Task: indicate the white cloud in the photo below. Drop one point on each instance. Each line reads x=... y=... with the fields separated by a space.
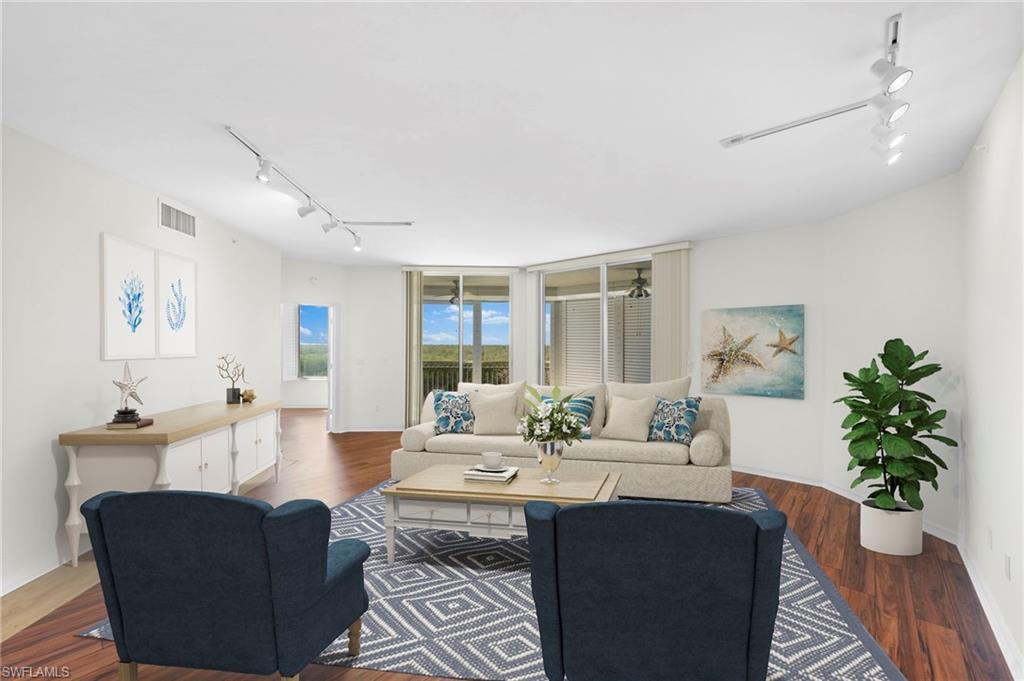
x=304 y=331
x=486 y=316
x=440 y=337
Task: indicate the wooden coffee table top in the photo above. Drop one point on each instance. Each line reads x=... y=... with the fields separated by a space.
x=446 y=482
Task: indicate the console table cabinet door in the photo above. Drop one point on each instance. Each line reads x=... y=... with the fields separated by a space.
x=247 y=440
x=185 y=465
x=266 y=440
x=217 y=461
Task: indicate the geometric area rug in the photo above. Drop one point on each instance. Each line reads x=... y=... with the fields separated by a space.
x=461 y=607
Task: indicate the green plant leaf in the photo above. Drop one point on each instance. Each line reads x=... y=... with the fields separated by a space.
x=871 y=472
x=938 y=461
x=555 y=393
x=918 y=358
x=533 y=393
x=898 y=468
x=861 y=432
x=915 y=375
x=948 y=441
x=926 y=468
x=896 y=357
x=896 y=419
x=851 y=420
x=896 y=446
x=912 y=496
x=854 y=462
x=865 y=448
x=885 y=500
x=924 y=396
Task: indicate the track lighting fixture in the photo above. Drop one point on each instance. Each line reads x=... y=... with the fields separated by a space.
x=303 y=211
x=887 y=137
x=357 y=243
x=894 y=78
x=890 y=109
x=263 y=174
x=328 y=226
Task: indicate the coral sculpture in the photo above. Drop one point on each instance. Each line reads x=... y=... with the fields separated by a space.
x=176 y=307
x=231 y=370
x=248 y=395
x=131 y=301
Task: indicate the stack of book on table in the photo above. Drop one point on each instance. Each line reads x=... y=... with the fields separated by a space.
x=503 y=475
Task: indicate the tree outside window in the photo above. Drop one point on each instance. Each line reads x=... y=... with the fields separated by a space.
x=313 y=339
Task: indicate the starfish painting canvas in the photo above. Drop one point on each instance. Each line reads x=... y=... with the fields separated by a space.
x=754 y=351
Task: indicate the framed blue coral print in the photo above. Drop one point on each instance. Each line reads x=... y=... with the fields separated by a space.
x=176 y=306
x=129 y=300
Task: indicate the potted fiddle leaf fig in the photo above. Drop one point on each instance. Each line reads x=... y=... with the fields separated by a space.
x=890 y=427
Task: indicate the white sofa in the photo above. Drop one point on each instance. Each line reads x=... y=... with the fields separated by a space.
x=656 y=470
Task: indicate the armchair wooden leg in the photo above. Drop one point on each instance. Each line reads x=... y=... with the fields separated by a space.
x=290 y=678
x=354 y=630
x=127 y=671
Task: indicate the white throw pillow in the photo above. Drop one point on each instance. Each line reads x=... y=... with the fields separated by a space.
x=666 y=390
x=494 y=414
x=629 y=419
x=519 y=388
x=427 y=413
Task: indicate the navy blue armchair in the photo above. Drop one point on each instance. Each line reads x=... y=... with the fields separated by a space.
x=211 y=581
x=654 y=591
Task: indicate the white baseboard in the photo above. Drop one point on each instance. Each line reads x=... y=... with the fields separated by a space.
x=939 y=531
x=372 y=429
x=996 y=620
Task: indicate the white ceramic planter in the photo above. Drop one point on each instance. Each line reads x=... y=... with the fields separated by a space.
x=893 y=532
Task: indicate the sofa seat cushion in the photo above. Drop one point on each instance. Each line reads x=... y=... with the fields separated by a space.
x=604 y=449
x=509 y=445
x=625 y=451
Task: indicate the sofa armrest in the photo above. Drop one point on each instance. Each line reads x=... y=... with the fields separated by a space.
x=714 y=415
x=414 y=438
x=707 y=449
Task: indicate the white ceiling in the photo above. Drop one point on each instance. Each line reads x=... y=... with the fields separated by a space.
x=511 y=134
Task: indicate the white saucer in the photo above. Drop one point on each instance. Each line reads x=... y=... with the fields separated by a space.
x=486 y=469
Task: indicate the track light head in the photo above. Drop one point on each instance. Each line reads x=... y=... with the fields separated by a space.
x=309 y=208
x=328 y=226
x=891 y=109
x=887 y=137
x=894 y=78
x=263 y=174
x=357 y=243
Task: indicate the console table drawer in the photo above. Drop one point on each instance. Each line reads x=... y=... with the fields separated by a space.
x=518 y=514
x=448 y=511
x=489 y=514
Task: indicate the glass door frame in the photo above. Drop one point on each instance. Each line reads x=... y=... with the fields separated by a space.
x=602 y=268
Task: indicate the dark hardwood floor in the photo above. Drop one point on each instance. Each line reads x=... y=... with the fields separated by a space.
x=922 y=610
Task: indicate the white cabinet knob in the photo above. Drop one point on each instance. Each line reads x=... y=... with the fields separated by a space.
x=206 y=466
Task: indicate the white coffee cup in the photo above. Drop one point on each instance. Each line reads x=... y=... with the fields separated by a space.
x=491 y=459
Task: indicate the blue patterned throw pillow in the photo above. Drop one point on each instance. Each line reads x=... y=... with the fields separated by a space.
x=673 y=420
x=582 y=407
x=452 y=413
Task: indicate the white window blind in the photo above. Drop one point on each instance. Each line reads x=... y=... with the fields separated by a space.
x=582 y=341
x=636 y=340
x=289 y=342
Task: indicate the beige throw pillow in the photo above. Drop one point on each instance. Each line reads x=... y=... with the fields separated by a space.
x=494 y=414
x=519 y=388
x=629 y=419
x=667 y=390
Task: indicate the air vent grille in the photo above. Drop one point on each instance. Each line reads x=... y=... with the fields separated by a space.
x=178 y=220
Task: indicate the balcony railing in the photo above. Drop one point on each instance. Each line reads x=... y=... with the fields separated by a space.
x=445 y=375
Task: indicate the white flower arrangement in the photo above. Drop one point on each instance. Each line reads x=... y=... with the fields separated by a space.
x=550 y=420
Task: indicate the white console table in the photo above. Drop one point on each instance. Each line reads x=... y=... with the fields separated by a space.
x=213 y=447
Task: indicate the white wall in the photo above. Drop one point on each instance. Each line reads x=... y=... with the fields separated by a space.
x=891 y=269
x=992 y=180
x=54 y=208
x=370 y=347
x=310 y=283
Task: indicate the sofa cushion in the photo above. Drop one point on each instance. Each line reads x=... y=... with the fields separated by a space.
x=629 y=419
x=519 y=388
x=582 y=407
x=604 y=449
x=707 y=449
x=452 y=412
x=669 y=390
x=597 y=390
x=494 y=414
x=673 y=421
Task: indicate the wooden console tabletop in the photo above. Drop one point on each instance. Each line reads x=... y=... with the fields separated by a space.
x=171 y=426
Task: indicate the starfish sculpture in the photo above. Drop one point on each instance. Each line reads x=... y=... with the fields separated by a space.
x=129 y=387
x=783 y=344
x=731 y=353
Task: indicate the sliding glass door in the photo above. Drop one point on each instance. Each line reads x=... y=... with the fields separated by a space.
x=597 y=324
x=465 y=330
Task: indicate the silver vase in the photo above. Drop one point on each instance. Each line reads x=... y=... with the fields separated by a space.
x=549 y=456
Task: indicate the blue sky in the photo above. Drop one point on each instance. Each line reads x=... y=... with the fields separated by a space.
x=312 y=324
x=441 y=324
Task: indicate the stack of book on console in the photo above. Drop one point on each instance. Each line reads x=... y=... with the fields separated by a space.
x=503 y=475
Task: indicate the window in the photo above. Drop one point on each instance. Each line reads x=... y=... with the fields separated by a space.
x=464 y=330
x=574 y=352
x=313 y=333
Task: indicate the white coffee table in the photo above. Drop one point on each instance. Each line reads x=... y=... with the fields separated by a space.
x=439 y=498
